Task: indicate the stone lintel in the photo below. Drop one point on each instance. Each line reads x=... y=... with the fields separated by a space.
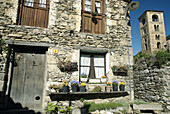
x=93 y=49
x=24 y=43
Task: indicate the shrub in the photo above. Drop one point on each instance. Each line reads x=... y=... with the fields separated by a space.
x=97 y=89
x=91 y=106
x=51 y=108
x=141 y=55
x=162 y=56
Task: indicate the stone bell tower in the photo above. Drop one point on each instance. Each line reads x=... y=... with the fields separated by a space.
x=152 y=30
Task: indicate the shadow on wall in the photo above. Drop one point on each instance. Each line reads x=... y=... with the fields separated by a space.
x=16 y=108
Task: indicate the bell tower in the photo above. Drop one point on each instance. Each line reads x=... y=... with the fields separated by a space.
x=152 y=30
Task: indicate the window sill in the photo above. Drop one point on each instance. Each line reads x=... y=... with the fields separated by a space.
x=62 y=96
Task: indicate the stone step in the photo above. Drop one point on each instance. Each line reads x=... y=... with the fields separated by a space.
x=150 y=106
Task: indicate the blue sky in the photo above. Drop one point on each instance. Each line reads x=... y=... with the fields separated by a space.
x=162 y=5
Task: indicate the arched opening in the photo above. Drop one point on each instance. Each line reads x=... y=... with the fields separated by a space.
x=158 y=45
x=154 y=18
x=143 y=21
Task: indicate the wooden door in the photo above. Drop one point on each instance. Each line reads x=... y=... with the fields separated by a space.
x=34 y=13
x=27 y=81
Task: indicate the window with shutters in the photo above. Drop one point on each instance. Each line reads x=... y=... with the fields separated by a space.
x=93 y=17
x=34 y=13
x=93 y=65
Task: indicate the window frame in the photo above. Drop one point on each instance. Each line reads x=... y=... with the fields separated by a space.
x=90 y=75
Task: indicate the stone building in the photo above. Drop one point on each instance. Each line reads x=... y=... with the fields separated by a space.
x=152 y=30
x=41 y=34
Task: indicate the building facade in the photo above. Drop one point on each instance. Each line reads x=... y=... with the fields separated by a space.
x=45 y=37
x=152 y=30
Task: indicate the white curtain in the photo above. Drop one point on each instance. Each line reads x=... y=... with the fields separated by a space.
x=85 y=64
x=87 y=5
x=42 y=3
x=97 y=7
x=29 y=3
x=99 y=65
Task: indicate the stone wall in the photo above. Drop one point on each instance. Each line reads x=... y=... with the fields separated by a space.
x=64 y=17
x=152 y=83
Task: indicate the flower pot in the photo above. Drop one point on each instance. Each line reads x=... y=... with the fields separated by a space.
x=74 y=88
x=122 y=87
x=103 y=80
x=115 y=87
x=108 y=88
x=84 y=80
x=65 y=89
x=83 y=89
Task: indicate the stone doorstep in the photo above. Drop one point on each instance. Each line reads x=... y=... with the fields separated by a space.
x=154 y=106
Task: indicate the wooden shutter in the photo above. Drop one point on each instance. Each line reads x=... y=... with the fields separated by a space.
x=93 y=23
x=34 y=13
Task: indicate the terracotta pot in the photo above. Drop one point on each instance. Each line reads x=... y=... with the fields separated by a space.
x=108 y=88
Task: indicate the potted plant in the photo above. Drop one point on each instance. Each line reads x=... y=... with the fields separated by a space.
x=115 y=85
x=122 y=86
x=74 y=85
x=103 y=79
x=108 y=86
x=83 y=77
x=82 y=87
x=120 y=70
x=114 y=68
x=65 y=86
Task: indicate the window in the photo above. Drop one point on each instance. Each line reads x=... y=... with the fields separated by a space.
x=154 y=18
x=93 y=65
x=93 y=17
x=144 y=31
x=33 y=13
x=157 y=37
x=156 y=27
x=143 y=21
x=158 y=45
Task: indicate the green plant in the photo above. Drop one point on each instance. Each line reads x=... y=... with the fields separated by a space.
x=97 y=89
x=74 y=83
x=63 y=109
x=91 y=106
x=141 y=55
x=162 y=56
x=51 y=108
x=83 y=75
x=139 y=102
x=82 y=99
x=3 y=47
x=120 y=68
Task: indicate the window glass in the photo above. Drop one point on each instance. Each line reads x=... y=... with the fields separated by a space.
x=99 y=65
x=97 y=7
x=85 y=64
x=29 y=3
x=42 y=3
x=87 y=5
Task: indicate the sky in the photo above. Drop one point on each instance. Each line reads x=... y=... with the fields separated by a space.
x=162 y=5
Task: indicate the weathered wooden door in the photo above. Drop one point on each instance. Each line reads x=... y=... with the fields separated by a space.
x=27 y=80
x=34 y=12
